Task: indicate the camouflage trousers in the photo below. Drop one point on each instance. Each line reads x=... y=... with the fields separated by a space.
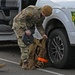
x=19 y=31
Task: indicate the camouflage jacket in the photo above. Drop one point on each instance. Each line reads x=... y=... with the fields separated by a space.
x=31 y=16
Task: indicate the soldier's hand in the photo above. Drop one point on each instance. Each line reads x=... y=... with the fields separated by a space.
x=28 y=32
x=45 y=36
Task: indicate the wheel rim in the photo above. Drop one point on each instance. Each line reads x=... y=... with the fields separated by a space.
x=56 y=49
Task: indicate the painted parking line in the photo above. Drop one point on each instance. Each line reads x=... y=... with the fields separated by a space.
x=51 y=72
x=47 y=71
x=9 y=61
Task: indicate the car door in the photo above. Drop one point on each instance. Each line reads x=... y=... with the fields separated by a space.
x=8 y=9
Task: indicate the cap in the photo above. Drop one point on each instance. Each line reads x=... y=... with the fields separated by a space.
x=47 y=10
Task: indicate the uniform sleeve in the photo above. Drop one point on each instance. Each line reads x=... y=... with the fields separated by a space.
x=32 y=29
x=28 y=18
x=40 y=29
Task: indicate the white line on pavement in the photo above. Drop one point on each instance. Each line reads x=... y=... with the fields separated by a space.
x=47 y=71
x=9 y=61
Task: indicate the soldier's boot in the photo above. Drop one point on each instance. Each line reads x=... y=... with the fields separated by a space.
x=20 y=62
x=25 y=65
x=2 y=65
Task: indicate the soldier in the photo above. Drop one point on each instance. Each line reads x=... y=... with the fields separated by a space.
x=25 y=22
x=2 y=65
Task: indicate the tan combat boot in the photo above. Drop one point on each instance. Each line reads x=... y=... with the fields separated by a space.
x=20 y=62
x=24 y=65
x=2 y=65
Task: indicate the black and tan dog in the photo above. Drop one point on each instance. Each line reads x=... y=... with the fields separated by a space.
x=37 y=54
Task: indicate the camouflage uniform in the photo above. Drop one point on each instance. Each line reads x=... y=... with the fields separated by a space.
x=28 y=18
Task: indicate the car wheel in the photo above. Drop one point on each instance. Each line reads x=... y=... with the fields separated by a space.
x=59 y=48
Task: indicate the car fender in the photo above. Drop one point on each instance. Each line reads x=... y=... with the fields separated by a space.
x=61 y=16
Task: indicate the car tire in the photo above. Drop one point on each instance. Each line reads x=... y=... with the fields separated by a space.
x=59 y=48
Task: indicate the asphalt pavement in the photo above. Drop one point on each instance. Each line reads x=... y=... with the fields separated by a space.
x=11 y=56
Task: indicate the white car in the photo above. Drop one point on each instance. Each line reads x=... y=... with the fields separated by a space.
x=60 y=28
